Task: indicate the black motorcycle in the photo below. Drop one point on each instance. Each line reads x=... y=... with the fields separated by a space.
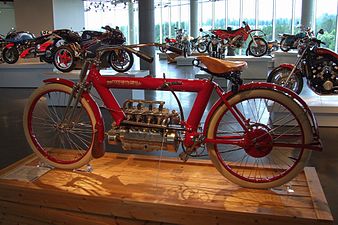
x=318 y=65
x=76 y=46
x=15 y=43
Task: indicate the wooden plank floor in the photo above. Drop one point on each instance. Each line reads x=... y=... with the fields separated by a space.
x=131 y=190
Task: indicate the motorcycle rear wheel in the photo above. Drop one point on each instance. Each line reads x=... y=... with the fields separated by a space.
x=279 y=76
x=10 y=55
x=283 y=46
x=274 y=121
x=64 y=59
x=260 y=49
x=61 y=141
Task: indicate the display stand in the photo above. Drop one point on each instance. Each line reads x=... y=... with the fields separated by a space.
x=280 y=57
x=129 y=189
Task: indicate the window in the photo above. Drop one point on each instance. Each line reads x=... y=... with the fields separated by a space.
x=326 y=19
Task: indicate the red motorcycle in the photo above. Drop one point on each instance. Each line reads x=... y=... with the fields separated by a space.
x=258 y=135
x=223 y=39
x=174 y=42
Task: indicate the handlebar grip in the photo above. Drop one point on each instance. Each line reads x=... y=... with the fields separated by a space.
x=175 y=50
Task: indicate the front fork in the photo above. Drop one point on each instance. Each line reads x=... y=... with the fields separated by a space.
x=76 y=94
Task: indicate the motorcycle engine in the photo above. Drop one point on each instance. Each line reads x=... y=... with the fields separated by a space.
x=146 y=131
x=237 y=41
x=324 y=76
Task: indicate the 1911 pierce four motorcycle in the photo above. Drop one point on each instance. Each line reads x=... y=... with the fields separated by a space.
x=223 y=39
x=318 y=65
x=258 y=135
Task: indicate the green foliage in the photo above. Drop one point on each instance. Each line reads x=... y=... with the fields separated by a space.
x=328 y=24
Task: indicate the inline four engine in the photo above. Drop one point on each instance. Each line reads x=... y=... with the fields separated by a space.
x=147 y=128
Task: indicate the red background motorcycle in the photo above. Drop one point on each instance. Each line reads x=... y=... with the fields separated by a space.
x=236 y=39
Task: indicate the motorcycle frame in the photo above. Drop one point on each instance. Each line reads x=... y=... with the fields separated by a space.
x=203 y=88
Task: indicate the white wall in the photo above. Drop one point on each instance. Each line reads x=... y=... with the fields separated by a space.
x=68 y=14
x=7 y=17
x=34 y=15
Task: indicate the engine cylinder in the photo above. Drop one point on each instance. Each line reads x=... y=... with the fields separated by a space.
x=148 y=127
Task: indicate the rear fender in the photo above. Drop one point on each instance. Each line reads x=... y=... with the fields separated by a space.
x=99 y=147
x=315 y=145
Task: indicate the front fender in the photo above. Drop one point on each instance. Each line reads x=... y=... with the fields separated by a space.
x=263 y=85
x=286 y=65
x=99 y=147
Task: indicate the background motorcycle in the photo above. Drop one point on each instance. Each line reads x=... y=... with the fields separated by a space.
x=16 y=42
x=318 y=65
x=174 y=42
x=236 y=39
x=291 y=41
x=272 y=46
x=200 y=43
x=67 y=55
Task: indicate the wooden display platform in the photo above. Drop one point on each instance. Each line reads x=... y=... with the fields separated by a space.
x=135 y=190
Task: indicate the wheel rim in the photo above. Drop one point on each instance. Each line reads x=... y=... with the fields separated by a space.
x=260 y=49
x=121 y=60
x=10 y=54
x=281 y=77
x=271 y=159
x=64 y=59
x=64 y=142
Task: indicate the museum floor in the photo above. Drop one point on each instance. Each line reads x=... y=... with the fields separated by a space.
x=14 y=147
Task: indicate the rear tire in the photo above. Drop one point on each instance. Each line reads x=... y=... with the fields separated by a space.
x=64 y=59
x=273 y=118
x=283 y=46
x=10 y=55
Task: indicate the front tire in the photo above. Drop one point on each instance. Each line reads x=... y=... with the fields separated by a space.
x=202 y=47
x=279 y=75
x=121 y=60
x=260 y=49
x=57 y=139
x=10 y=55
x=274 y=120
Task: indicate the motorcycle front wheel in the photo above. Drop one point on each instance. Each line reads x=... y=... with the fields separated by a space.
x=202 y=47
x=272 y=152
x=10 y=55
x=60 y=137
x=121 y=60
x=279 y=75
x=260 y=49
x=283 y=46
x=64 y=59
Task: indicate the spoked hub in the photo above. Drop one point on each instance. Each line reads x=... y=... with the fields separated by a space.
x=258 y=141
